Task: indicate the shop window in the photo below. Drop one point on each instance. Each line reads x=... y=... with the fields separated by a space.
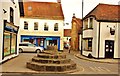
x=45 y=27
x=86 y=24
x=36 y=26
x=91 y=23
x=11 y=15
x=7 y=37
x=87 y=44
x=56 y=27
x=25 y=25
x=52 y=42
x=13 y=43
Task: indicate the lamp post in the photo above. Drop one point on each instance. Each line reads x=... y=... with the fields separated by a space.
x=82 y=26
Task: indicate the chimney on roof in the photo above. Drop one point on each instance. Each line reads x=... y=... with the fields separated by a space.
x=59 y=1
x=73 y=15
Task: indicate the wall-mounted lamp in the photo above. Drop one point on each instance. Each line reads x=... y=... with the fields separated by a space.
x=112 y=30
x=4 y=11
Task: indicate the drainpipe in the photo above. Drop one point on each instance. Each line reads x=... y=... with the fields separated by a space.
x=99 y=40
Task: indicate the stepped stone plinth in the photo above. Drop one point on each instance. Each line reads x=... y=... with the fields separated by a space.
x=50 y=61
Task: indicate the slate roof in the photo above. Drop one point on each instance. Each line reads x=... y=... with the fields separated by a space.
x=105 y=12
x=43 y=10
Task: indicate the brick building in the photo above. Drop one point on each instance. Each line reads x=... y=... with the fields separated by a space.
x=75 y=33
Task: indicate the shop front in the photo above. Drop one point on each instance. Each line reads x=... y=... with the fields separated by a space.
x=9 y=39
x=42 y=41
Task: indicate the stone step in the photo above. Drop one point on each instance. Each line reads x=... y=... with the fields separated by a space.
x=51 y=67
x=50 y=61
x=51 y=56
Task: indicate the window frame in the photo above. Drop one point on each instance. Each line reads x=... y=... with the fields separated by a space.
x=35 y=25
x=11 y=15
x=90 y=23
x=46 y=27
x=25 y=25
x=85 y=24
x=89 y=44
x=56 y=27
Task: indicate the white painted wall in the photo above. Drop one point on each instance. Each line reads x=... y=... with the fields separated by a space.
x=1 y=31
x=117 y=42
x=95 y=39
x=40 y=31
x=6 y=5
x=80 y=38
x=105 y=35
x=88 y=33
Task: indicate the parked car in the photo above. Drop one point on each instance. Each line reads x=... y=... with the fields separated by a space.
x=29 y=47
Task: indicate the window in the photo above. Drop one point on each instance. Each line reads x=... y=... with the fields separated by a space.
x=45 y=27
x=86 y=24
x=87 y=44
x=11 y=15
x=13 y=43
x=7 y=40
x=36 y=26
x=91 y=23
x=25 y=25
x=56 y=27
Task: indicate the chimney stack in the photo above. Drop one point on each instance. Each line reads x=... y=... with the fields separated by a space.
x=59 y=1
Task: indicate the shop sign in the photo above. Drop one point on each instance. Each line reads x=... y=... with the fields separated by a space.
x=11 y=27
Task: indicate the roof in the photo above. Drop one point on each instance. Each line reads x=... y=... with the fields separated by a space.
x=43 y=10
x=105 y=12
x=67 y=32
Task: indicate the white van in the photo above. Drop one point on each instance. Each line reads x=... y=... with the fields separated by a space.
x=29 y=47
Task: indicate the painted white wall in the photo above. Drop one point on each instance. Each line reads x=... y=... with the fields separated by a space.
x=105 y=35
x=6 y=5
x=1 y=31
x=80 y=38
x=95 y=39
x=40 y=31
x=65 y=39
x=88 y=33
x=117 y=42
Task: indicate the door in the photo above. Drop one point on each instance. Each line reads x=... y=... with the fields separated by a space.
x=109 y=48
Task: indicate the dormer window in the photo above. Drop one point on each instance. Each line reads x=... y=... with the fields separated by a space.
x=11 y=15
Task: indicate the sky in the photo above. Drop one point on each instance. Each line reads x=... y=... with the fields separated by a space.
x=75 y=6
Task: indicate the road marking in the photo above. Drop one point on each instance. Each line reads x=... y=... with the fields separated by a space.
x=99 y=69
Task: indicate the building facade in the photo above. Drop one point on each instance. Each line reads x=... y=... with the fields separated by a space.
x=67 y=37
x=9 y=20
x=42 y=26
x=101 y=32
x=76 y=33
